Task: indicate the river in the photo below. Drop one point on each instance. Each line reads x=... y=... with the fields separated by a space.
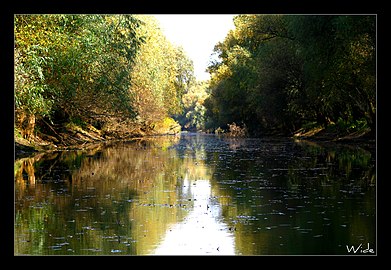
x=198 y=194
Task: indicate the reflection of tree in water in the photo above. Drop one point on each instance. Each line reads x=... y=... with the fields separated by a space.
x=26 y=174
x=332 y=161
x=104 y=200
x=275 y=197
x=281 y=195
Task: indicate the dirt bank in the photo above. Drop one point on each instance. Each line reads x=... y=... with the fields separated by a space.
x=70 y=138
x=364 y=137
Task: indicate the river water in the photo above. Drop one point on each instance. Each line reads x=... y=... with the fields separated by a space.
x=198 y=194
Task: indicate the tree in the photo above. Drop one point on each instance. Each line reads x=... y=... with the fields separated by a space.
x=74 y=66
x=193 y=115
x=257 y=71
x=161 y=75
x=339 y=65
x=278 y=72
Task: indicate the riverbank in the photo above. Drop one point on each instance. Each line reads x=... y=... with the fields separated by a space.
x=74 y=137
x=364 y=137
x=332 y=134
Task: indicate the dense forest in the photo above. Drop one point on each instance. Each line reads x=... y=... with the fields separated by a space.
x=96 y=77
x=108 y=75
x=278 y=74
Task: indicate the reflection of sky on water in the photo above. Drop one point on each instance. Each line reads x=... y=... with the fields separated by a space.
x=276 y=197
x=201 y=233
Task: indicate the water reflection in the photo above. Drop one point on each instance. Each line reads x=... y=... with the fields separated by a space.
x=202 y=232
x=196 y=194
x=298 y=197
x=112 y=201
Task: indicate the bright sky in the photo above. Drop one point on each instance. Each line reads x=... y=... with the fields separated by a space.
x=197 y=34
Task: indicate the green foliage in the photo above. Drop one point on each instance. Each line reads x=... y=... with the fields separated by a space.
x=339 y=64
x=161 y=75
x=351 y=125
x=88 y=68
x=78 y=64
x=193 y=115
x=257 y=73
x=277 y=72
x=274 y=73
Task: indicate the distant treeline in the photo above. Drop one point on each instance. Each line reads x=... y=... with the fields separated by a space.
x=109 y=71
x=279 y=73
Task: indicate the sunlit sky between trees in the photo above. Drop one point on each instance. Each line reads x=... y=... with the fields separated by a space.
x=197 y=34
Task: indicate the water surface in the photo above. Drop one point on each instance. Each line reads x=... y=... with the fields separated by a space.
x=197 y=194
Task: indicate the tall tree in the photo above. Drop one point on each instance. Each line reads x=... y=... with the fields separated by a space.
x=69 y=66
x=339 y=64
x=277 y=72
x=161 y=75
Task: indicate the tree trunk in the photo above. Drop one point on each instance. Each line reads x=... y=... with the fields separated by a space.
x=26 y=122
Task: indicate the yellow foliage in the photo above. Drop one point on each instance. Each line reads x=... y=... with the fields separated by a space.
x=167 y=126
